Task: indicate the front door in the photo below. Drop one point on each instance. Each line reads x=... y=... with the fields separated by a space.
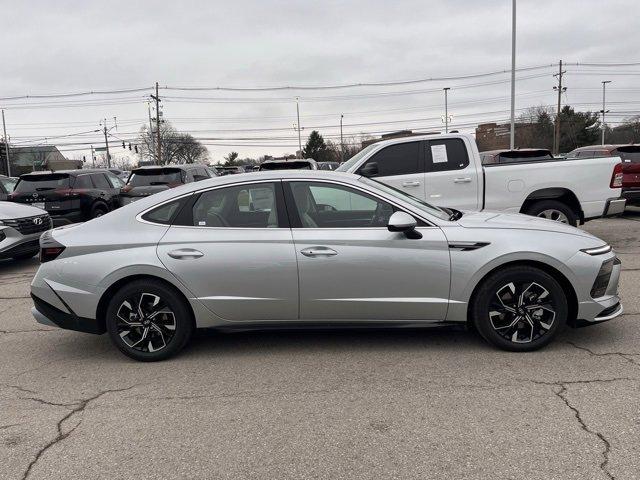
x=236 y=255
x=351 y=267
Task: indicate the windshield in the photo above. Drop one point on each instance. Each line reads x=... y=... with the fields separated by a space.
x=355 y=159
x=416 y=202
x=155 y=176
x=41 y=183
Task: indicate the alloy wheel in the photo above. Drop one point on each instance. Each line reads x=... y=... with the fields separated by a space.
x=522 y=312
x=145 y=322
x=555 y=215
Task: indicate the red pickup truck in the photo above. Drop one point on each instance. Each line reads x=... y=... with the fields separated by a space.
x=630 y=155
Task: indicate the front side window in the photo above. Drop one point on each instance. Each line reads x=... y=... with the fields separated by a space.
x=446 y=154
x=399 y=159
x=100 y=182
x=327 y=205
x=114 y=181
x=83 y=182
x=239 y=206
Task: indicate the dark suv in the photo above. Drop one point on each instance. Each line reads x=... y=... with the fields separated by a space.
x=145 y=181
x=70 y=196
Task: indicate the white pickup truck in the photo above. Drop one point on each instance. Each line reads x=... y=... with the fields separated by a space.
x=446 y=170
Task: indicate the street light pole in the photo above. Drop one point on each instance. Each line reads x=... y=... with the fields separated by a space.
x=6 y=145
x=106 y=143
x=512 y=137
x=299 y=127
x=341 y=141
x=446 y=110
x=604 y=125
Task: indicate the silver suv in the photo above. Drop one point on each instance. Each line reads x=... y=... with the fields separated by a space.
x=20 y=230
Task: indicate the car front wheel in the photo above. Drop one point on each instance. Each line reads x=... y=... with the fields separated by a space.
x=148 y=321
x=519 y=308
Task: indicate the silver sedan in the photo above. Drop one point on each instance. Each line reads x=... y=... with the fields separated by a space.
x=295 y=249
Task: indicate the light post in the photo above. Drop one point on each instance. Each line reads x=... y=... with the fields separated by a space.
x=299 y=127
x=512 y=136
x=446 y=110
x=341 y=141
x=604 y=111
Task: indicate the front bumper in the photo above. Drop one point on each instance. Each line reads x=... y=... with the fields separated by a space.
x=47 y=314
x=615 y=206
x=606 y=307
x=15 y=244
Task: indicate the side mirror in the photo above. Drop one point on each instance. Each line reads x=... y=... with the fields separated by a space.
x=369 y=170
x=403 y=222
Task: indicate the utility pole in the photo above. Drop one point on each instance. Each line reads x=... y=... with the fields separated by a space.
x=560 y=89
x=299 y=127
x=153 y=143
x=6 y=145
x=446 y=110
x=106 y=143
x=603 y=111
x=512 y=136
x=156 y=97
x=93 y=158
x=341 y=141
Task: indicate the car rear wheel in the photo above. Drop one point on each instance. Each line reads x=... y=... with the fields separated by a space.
x=98 y=211
x=553 y=210
x=148 y=321
x=519 y=308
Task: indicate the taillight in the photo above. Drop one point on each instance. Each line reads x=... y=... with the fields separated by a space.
x=616 y=177
x=126 y=188
x=50 y=253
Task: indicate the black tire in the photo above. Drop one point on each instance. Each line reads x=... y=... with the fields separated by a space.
x=26 y=256
x=533 y=328
x=98 y=210
x=555 y=206
x=164 y=337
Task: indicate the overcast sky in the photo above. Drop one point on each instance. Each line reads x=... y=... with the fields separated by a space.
x=75 y=46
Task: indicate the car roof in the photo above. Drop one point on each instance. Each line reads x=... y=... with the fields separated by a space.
x=181 y=166
x=80 y=171
x=291 y=160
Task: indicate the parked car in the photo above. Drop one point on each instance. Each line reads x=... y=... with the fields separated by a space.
x=145 y=181
x=328 y=165
x=69 y=196
x=20 y=230
x=519 y=155
x=447 y=170
x=292 y=164
x=7 y=184
x=323 y=248
x=630 y=155
x=230 y=170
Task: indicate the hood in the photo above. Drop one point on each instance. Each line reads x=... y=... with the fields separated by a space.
x=11 y=210
x=517 y=221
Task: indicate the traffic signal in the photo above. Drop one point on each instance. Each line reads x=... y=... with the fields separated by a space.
x=123 y=145
x=129 y=145
x=136 y=148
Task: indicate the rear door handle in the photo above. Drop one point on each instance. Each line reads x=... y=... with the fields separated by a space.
x=462 y=180
x=185 y=253
x=410 y=184
x=318 y=252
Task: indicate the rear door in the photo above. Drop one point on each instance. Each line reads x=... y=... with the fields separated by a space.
x=104 y=190
x=451 y=178
x=237 y=259
x=400 y=165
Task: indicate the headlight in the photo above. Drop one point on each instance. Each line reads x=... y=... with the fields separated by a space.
x=597 y=250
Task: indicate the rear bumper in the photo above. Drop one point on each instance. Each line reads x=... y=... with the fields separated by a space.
x=47 y=314
x=66 y=218
x=614 y=206
x=632 y=195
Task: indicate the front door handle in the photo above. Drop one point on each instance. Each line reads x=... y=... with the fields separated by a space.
x=410 y=184
x=462 y=180
x=185 y=253
x=318 y=252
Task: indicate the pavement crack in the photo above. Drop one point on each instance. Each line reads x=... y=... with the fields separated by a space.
x=4 y=427
x=628 y=357
x=19 y=388
x=561 y=393
x=78 y=408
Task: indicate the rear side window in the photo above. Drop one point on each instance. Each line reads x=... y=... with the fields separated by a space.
x=82 y=182
x=40 y=183
x=446 y=154
x=399 y=159
x=164 y=214
x=100 y=181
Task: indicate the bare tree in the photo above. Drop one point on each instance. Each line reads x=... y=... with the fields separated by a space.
x=176 y=147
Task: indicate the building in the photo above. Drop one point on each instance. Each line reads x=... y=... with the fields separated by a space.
x=43 y=157
x=494 y=136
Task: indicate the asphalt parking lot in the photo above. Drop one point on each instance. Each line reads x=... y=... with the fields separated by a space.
x=363 y=404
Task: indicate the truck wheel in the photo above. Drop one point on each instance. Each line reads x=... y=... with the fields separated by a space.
x=553 y=210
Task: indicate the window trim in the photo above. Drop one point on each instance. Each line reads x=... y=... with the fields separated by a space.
x=295 y=218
